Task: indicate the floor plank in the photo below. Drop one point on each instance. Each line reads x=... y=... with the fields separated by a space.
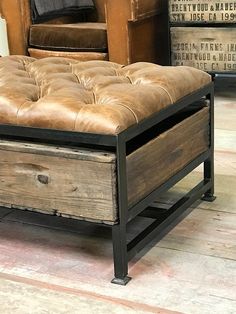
x=225 y=140
x=48 y=298
x=205 y=232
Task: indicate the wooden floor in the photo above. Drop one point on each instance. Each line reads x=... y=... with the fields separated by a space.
x=50 y=265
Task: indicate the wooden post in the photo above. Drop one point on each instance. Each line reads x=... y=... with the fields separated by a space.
x=17 y=16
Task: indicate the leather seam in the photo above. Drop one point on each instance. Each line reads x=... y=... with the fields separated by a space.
x=76 y=118
x=163 y=88
x=135 y=117
x=133 y=113
x=17 y=113
x=77 y=78
x=94 y=98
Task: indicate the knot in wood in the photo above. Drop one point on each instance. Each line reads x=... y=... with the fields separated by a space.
x=43 y=179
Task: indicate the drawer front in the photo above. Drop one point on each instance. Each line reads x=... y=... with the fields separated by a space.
x=158 y=160
x=208 y=49
x=68 y=183
x=202 y=11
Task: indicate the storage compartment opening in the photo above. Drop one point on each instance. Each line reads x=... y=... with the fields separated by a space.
x=164 y=125
x=183 y=138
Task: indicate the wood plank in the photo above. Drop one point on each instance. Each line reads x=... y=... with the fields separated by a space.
x=205 y=232
x=62 y=299
x=152 y=164
x=224 y=190
x=210 y=49
x=180 y=281
x=70 y=186
x=128 y=22
x=225 y=121
x=200 y=11
x=225 y=140
x=59 y=151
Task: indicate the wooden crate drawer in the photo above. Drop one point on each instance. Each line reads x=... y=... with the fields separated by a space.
x=55 y=180
x=208 y=49
x=159 y=159
x=82 y=183
x=202 y=11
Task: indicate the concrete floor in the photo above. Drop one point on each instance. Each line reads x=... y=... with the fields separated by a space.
x=52 y=265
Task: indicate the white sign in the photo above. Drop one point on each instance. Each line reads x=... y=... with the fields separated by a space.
x=4 y=49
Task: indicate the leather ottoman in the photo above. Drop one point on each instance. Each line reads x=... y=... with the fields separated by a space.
x=99 y=141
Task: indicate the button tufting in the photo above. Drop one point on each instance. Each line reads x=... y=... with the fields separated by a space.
x=93 y=96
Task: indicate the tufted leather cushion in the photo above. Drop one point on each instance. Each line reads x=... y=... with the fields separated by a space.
x=69 y=37
x=93 y=96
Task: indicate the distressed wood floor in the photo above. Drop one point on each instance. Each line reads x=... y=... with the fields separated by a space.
x=50 y=265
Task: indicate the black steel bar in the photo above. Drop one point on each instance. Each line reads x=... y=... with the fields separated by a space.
x=57 y=135
x=119 y=230
x=153 y=212
x=139 y=207
x=164 y=224
x=209 y=163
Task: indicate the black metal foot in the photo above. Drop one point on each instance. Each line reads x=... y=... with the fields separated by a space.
x=208 y=197
x=121 y=281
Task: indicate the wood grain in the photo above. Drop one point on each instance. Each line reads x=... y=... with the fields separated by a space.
x=58 y=180
x=128 y=22
x=210 y=49
x=154 y=163
x=82 y=183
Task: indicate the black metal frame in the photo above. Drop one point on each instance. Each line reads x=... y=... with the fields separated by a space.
x=164 y=219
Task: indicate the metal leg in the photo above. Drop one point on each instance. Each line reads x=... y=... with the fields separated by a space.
x=209 y=163
x=209 y=176
x=120 y=255
x=119 y=231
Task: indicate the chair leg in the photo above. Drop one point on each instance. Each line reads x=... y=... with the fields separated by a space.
x=209 y=175
x=120 y=255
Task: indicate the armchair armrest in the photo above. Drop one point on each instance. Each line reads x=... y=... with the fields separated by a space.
x=137 y=30
x=17 y=16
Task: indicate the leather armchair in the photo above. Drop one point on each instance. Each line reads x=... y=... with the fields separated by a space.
x=123 y=31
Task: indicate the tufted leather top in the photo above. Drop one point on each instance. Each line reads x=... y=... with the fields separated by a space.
x=94 y=96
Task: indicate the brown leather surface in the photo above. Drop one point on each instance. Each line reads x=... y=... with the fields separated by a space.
x=93 y=96
x=80 y=56
x=69 y=37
